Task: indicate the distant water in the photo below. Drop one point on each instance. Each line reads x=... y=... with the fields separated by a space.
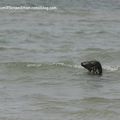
x=40 y=55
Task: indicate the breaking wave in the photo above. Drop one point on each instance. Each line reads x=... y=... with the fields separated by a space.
x=31 y=65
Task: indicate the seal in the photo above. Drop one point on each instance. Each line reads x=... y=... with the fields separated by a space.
x=93 y=67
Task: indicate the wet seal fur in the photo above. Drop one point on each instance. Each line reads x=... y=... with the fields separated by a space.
x=93 y=67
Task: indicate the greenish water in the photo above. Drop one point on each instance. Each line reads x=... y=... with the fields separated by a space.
x=40 y=54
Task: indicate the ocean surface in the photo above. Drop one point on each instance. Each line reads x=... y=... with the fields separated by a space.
x=40 y=54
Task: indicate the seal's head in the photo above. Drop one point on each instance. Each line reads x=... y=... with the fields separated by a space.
x=93 y=67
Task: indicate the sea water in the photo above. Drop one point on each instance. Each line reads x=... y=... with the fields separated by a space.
x=40 y=54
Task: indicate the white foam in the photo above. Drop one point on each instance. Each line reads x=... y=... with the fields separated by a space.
x=111 y=68
x=34 y=65
x=77 y=66
x=63 y=64
x=69 y=65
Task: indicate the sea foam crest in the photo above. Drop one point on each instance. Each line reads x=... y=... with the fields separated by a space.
x=111 y=68
x=105 y=67
x=34 y=65
x=54 y=64
x=69 y=65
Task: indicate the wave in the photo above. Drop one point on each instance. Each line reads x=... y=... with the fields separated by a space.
x=32 y=65
x=55 y=65
x=74 y=66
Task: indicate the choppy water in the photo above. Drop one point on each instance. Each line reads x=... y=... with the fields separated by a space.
x=40 y=55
